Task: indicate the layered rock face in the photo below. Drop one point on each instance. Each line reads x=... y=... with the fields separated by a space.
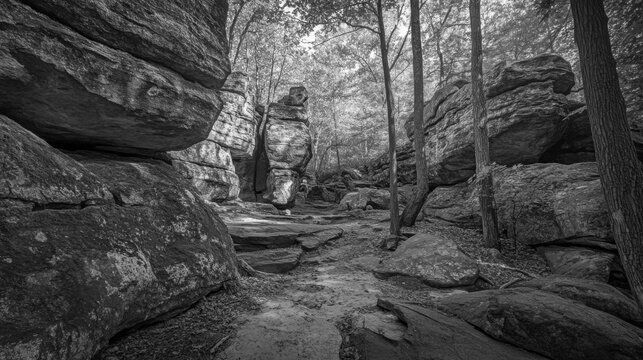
x=93 y=246
x=538 y=203
x=92 y=243
x=209 y=163
x=526 y=105
x=70 y=87
x=287 y=146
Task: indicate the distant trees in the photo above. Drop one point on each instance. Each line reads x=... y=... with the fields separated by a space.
x=484 y=175
x=360 y=14
x=620 y=170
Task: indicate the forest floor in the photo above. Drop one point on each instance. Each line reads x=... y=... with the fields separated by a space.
x=309 y=312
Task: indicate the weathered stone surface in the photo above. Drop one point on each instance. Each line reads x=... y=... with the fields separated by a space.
x=363 y=197
x=314 y=240
x=205 y=153
x=505 y=77
x=547 y=324
x=525 y=112
x=435 y=260
x=577 y=144
x=212 y=183
x=188 y=37
x=287 y=112
x=102 y=97
x=236 y=126
x=34 y=176
x=236 y=82
x=288 y=144
x=536 y=203
x=275 y=261
x=595 y=294
x=432 y=335
x=578 y=262
x=378 y=169
x=282 y=187
x=113 y=242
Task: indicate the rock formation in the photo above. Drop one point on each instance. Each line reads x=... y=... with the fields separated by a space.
x=538 y=203
x=287 y=147
x=92 y=242
x=104 y=96
x=209 y=163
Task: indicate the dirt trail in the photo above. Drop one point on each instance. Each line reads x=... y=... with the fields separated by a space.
x=303 y=314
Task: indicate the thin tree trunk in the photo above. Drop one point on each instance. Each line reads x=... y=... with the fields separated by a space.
x=395 y=225
x=620 y=171
x=410 y=213
x=484 y=176
x=336 y=131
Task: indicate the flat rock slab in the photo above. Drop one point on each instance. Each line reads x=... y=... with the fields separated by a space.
x=431 y=335
x=274 y=261
x=595 y=294
x=252 y=234
x=433 y=259
x=547 y=324
x=285 y=332
x=313 y=241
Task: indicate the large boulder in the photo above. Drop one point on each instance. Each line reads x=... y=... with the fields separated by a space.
x=594 y=294
x=547 y=324
x=72 y=90
x=536 y=204
x=188 y=37
x=431 y=335
x=435 y=260
x=96 y=244
x=526 y=105
x=209 y=166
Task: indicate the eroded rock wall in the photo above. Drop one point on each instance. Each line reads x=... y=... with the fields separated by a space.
x=97 y=234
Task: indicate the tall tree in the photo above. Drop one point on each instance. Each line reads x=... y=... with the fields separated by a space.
x=413 y=209
x=359 y=14
x=484 y=175
x=620 y=171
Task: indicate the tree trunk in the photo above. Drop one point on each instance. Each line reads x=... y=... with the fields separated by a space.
x=410 y=213
x=620 y=171
x=395 y=225
x=484 y=176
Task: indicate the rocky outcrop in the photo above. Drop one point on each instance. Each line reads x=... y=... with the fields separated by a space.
x=433 y=259
x=536 y=204
x=576 y=144
x=287 y=147
x=428 y=334
x=236 y=126
x=93 y=244
x=526 y=105
x=211 y=164
x=187 y=37
x=547 y=324
x=594 y=294
x=69 y=87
